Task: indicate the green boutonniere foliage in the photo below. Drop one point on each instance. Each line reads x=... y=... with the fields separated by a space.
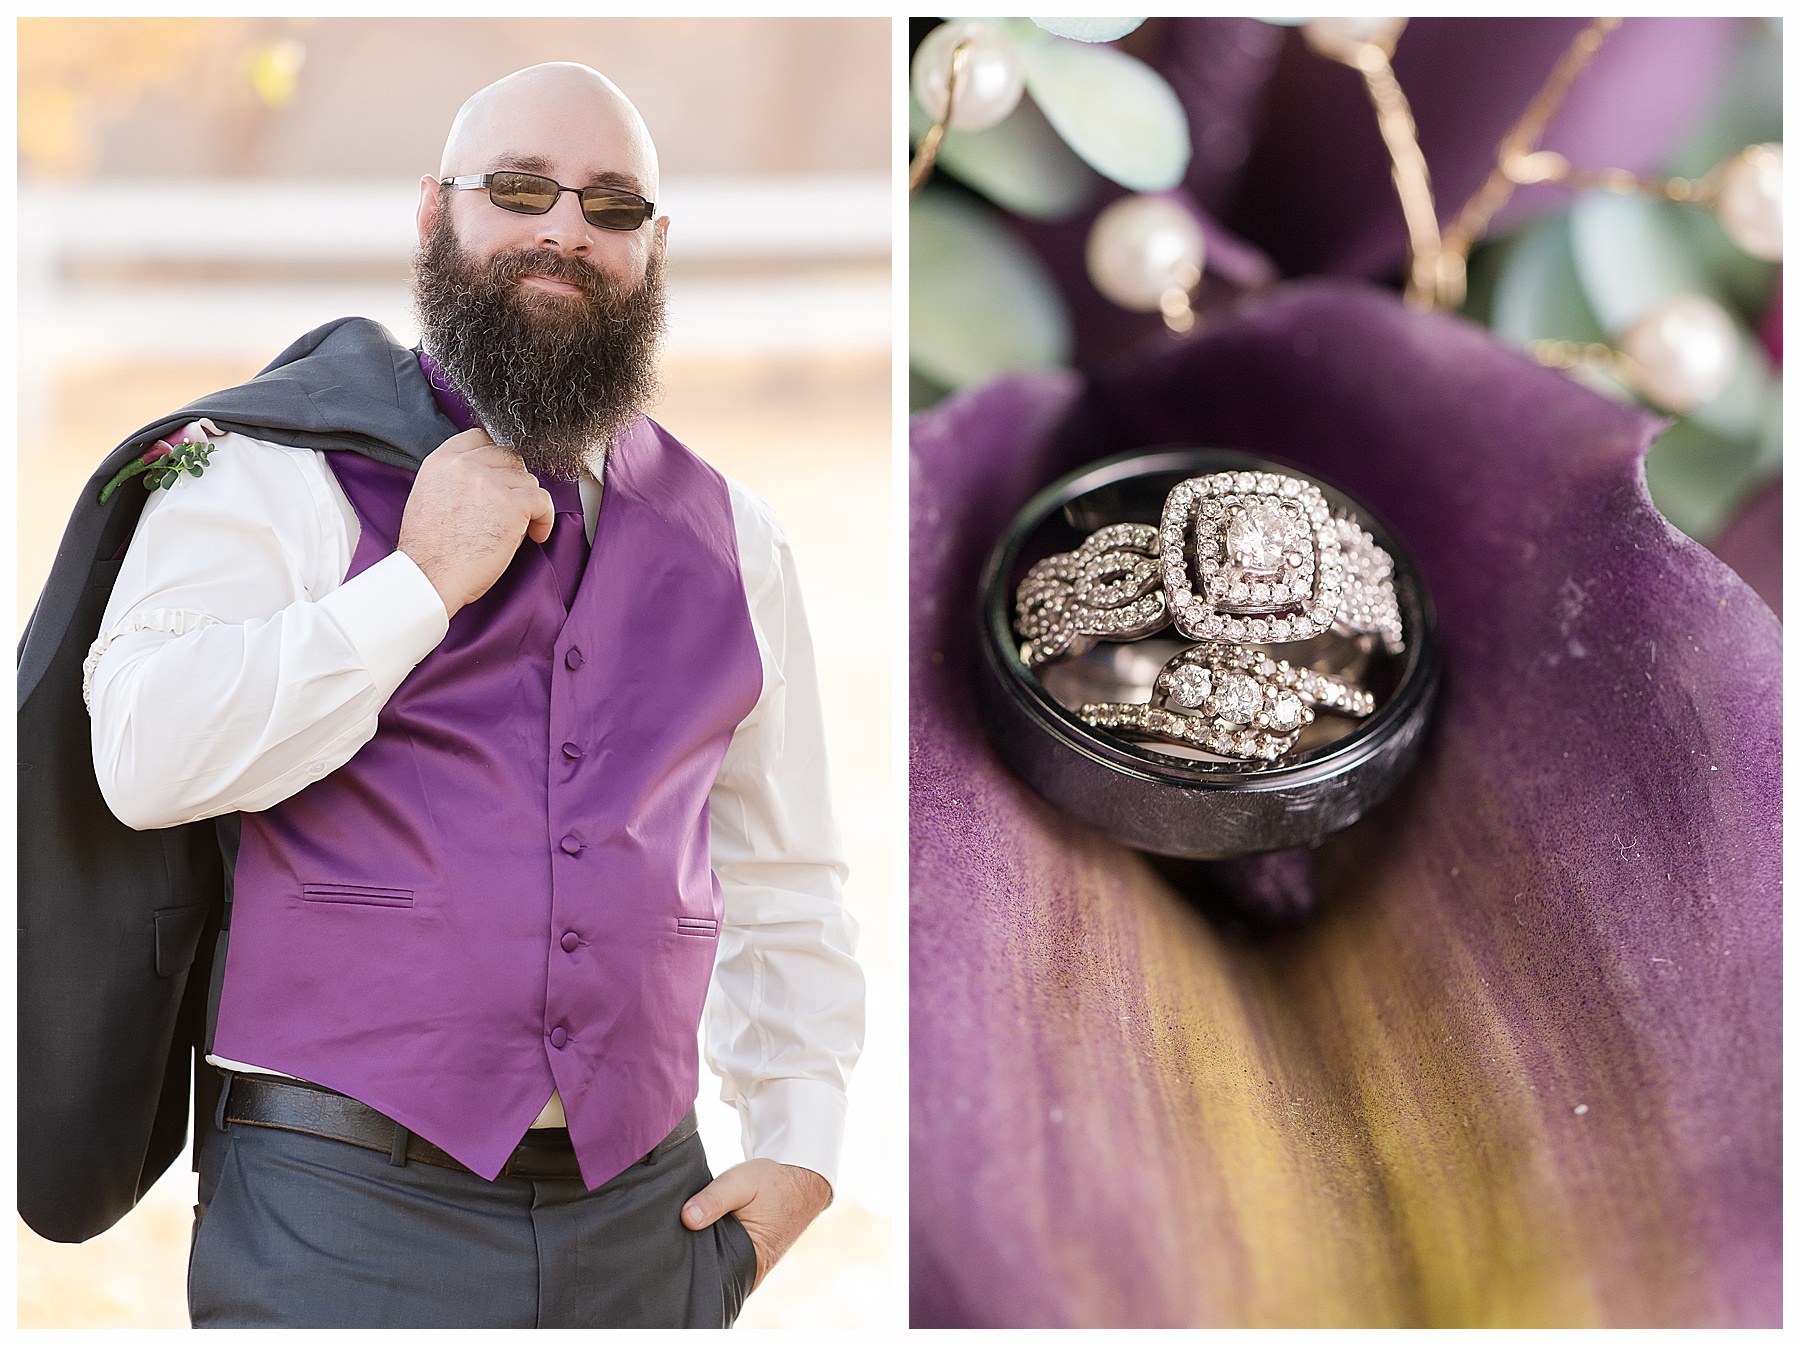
x=162 y=464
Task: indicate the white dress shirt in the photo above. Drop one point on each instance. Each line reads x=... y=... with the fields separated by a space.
x=236 y=665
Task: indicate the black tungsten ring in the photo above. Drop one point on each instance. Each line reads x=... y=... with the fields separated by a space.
x=1167 y=800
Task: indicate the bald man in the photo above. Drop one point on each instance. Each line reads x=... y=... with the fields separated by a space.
x=498 y=719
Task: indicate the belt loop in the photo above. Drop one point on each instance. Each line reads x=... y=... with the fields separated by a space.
x=224 y=1097
x=397 y=1156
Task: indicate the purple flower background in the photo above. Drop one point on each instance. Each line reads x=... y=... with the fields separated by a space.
x=1523 y=1067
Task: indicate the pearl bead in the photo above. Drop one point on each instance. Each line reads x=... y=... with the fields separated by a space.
x=989 y=85
x=1686 y=350
x=1749 y=201
x=1140 y=248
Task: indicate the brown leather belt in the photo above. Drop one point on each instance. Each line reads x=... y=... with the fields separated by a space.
x=294 y=1105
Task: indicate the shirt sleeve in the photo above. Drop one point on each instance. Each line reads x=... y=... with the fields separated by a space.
x=234 y=665
x=785 y=1014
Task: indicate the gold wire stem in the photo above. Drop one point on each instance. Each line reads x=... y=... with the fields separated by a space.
x=1412 y=179
x=1591 y=355
x=926 y=159
x=1551 y=167
x=1517 y=147
x=1177 y=302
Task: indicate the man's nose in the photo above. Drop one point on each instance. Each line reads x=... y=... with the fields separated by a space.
x=563 y=227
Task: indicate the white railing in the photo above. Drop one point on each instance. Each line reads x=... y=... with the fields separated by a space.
x=794 y=266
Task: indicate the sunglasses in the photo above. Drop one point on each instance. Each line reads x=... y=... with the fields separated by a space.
x=530 y=194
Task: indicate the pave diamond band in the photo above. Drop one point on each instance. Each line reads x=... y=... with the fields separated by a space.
x=1369 y=605
x=1232 y=700
x=1107 y=588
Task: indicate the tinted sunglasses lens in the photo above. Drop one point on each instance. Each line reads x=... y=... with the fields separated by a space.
x=613 y=210
x=526 y=193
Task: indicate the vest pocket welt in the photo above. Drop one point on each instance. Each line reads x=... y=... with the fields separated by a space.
x=357 y=894
x=701 y=927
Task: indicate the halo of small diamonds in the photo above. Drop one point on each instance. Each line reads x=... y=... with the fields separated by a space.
x=1267 y=558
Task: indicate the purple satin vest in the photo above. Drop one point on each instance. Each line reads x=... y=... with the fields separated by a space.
x=509 y=889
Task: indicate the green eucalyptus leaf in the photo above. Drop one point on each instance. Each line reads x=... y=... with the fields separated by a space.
x=1768 y=448
x=1484 y=267
x=1537 y=297
x=1021 y=164
x=981 y=303
x=1746 y=281
x=1089 y=30
x=923 y=393
x=1699 y=480
x=1019 y=30
x=1631 y=255
x=1114 y=111
x=1537 y=294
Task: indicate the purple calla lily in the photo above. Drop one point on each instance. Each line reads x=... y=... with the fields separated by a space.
x=1751 y=544
x=1523 y=1066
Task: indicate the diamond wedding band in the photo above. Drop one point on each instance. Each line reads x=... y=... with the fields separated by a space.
x=1232 y=700
x=1108 y=587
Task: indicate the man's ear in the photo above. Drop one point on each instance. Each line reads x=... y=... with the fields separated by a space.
x=431 y=198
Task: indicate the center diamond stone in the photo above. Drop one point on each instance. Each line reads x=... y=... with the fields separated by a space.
x=1190 y=685
x=1238 y=698
x=1261 y=536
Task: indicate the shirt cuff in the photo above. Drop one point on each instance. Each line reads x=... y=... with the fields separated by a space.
x=391 y=615
x=795 y=1121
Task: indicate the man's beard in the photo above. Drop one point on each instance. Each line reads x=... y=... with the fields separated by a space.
x=550 y=376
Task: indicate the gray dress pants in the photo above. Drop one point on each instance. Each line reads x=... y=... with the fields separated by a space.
x=293 y=1230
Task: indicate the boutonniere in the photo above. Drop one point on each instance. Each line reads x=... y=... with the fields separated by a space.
x=161 y=464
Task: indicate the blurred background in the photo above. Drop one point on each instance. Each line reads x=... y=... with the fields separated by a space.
x=1100 y=157
x=196 y=193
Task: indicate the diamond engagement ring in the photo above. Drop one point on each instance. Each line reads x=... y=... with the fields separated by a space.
x=1274 y=565
x=1232 y=700
x=1256 y=557
x=1108 y=587
x=1199 y=740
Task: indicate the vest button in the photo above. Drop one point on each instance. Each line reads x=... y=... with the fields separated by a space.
x=571 y=942
x=572 y=751
x=572 y=660
x=559 y=1036
x=571 y=845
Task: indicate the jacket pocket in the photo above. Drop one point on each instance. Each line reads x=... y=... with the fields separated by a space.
x=357 y=894
x=702 y=927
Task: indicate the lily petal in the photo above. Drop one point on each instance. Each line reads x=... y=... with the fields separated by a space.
x=1523 y=1068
